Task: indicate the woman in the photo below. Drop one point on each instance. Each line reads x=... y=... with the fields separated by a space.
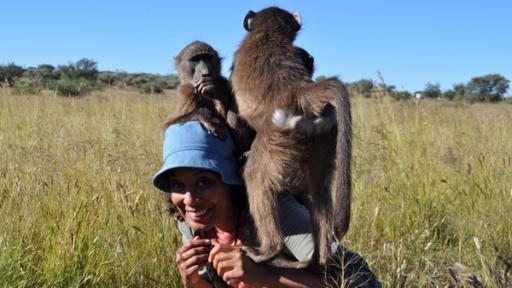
x=203 y=185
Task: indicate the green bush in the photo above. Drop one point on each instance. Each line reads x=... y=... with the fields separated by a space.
x=10 y=73
x=401 y=95
x=72 y=87
x=26 y=88
x=153 y=87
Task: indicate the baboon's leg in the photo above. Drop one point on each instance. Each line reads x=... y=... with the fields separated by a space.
x=241 y=133
x=320 y=205
x=263 y=201
x=321 y=219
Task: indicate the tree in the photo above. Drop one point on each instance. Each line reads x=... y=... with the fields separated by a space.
x=110 y=78
x=387 y=88
x=432 y=90
x=362 y=87
x=171 y=81
x=43 y=74
x=449 y=94
x=9 y=73
x=401 y=95
x=459 y=90
x=84 y=68
x=488 y=88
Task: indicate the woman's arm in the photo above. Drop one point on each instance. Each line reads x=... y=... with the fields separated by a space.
x=238 y=270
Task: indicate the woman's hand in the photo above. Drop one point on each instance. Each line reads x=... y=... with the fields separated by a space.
x=190 y=257
x=240 y=271
x=233 y=265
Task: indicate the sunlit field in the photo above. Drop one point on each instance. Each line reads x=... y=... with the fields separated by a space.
x=432 y=188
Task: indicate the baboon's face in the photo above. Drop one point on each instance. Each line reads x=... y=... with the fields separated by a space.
x=199 y=64
x=202 y=198
x=204 y=71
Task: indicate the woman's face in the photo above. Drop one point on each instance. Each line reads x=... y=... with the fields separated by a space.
x=201 y=197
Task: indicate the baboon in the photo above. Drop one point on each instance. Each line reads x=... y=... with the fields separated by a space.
x=269 y=75
x=206 y=96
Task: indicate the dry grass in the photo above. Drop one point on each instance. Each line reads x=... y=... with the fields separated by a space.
x=433 y=187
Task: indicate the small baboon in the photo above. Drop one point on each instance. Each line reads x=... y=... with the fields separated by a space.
x=268 y=76
x=206 y=96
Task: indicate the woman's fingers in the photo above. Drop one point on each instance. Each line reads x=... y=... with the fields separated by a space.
x=219 y=248
x=196 y=242
x=232 y=276
x=221 y=256
x=228 y=261
x=200 y=260
x=194 y=251
x=191 y=270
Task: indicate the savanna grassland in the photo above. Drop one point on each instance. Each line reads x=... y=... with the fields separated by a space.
x=432 y=187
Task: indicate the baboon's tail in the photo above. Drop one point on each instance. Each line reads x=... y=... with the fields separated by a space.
x=314 y=99
x=342 y=204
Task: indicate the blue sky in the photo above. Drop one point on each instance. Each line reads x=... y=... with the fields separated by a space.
x=409 y=42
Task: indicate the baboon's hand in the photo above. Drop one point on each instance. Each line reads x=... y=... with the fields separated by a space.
x=204 y=86
x=217 y=128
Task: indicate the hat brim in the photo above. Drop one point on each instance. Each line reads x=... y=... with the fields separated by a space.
x=197 y=158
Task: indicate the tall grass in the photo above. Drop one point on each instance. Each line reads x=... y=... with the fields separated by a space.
x=433 y=187
x=432 y=180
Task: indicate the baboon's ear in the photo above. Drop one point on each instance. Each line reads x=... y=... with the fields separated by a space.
x=248 y=20
x=296 y=16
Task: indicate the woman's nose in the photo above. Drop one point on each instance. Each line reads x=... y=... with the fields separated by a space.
x=189 y=198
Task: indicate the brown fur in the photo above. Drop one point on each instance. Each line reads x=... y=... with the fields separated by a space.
x=268 y=75
x=206 y=96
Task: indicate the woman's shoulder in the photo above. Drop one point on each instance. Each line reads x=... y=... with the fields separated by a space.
x=293 y=216
x=186 y=232
x=295 y=228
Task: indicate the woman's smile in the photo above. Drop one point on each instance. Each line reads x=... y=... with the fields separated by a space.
x=198 y=214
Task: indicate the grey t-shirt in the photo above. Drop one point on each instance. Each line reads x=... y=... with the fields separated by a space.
x=295 y=224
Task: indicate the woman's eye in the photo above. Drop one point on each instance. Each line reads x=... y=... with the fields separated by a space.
x=204 y=183
x=177 y=186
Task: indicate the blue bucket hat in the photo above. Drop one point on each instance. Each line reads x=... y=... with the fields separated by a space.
x=190 y=145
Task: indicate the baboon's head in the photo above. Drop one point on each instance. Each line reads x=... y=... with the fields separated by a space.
x=307 y=59
x=273 y=19
x=198 y=62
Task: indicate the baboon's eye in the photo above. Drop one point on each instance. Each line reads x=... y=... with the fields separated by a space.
x=199 y=57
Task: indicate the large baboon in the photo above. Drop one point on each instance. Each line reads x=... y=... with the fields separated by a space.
x=269 y=75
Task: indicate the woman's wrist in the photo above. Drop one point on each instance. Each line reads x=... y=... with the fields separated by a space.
x=271 y=276
x=200 y=283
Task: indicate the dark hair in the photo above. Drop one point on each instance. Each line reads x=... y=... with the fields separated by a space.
x=239 y=195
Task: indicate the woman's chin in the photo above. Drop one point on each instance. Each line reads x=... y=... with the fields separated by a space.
x=196 y=226
x=202 y=223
